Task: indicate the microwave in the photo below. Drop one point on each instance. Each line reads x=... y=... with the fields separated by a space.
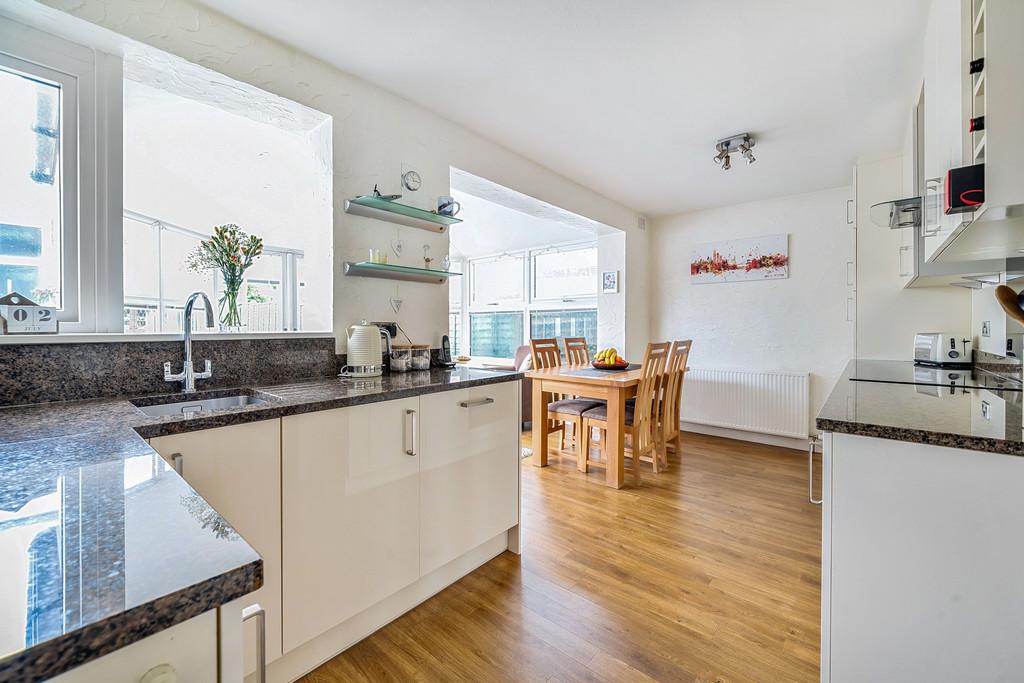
x=942 y=349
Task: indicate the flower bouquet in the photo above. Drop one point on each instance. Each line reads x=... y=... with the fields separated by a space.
x=231 y=251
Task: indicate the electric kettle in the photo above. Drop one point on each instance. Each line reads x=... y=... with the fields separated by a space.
x=365 y=353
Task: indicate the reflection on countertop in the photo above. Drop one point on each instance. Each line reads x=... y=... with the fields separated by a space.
x=953 y=415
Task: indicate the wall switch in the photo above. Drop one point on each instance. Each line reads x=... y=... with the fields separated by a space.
x=986 y=328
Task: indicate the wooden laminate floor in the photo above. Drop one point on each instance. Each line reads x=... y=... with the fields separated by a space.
x=708 y=572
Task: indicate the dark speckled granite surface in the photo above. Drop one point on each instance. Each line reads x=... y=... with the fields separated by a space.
x=974 y=418
x=71 y=371
x=102 y=545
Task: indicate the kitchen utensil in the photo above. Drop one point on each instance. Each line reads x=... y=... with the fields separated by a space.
x=1011 y=302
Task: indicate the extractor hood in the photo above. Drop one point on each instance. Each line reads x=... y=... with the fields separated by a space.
x=897 y=214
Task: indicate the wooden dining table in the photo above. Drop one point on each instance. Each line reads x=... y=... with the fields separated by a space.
x=585 y=382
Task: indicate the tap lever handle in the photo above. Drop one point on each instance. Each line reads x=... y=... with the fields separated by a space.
x=207 y=370
x=170 y=376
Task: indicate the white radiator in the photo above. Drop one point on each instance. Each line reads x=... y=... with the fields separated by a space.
x=753 y=401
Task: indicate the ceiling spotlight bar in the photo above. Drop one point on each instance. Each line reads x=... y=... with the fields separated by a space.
x=741 y=143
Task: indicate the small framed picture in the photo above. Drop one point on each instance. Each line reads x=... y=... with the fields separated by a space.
x=610 y=282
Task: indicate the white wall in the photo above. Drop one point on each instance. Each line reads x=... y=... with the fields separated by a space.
x=796 y=324
x=376 y=135
x=888 y=315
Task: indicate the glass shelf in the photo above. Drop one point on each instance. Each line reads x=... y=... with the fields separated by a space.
x=403 y=214
x=392 y=272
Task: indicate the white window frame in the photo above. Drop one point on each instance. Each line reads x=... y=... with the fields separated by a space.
x=528 y=304
x=91 y=92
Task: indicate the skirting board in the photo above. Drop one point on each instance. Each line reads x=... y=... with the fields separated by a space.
x=308 y=656
x=741 y=435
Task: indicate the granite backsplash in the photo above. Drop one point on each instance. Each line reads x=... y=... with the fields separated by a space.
x=36 y=373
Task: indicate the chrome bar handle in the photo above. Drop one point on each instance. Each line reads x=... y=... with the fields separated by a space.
x=478 y=402
x=409 y=437
x=255 y=611
x=810 y=473
x=178 y=462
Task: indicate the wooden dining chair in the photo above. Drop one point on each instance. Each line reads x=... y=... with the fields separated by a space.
x=640 y=416
x=669 y=433
x=576 y=351
x=563 y=409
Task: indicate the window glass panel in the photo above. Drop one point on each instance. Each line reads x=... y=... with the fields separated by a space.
x=261 y=302
x=498 y=281
x=496 y=335
x=30 y=188
x=566 y=323
x=454 y=333
x=192 y=164
x=565 y=274
x=141 y=277
x=455 y=287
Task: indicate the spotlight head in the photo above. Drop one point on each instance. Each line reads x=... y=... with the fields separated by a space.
x=726 y=164
x=747 y=154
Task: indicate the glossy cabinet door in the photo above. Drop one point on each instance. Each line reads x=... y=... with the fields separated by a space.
x=469 y=470
x=237 y=470
x=188 y=649
x=351 y=512
x=921 y=563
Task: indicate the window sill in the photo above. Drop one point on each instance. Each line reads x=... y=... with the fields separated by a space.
x=107 y=338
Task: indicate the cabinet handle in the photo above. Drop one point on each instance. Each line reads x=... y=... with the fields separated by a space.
x=904 y=249
x=178 y=462
x=850 y=213
x=810 y=473
x=410 y=433
x=932 y=193
x=478 y=402
x=255 y=611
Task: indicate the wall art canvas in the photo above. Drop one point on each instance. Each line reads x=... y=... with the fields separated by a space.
x=756 y=258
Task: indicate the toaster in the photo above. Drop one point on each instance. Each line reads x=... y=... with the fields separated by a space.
x=942 y=349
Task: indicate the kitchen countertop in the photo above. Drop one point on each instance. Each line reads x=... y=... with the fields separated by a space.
x=102 y=544
x=934 y=414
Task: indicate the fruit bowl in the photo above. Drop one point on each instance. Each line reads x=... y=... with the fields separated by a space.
x=621 y=364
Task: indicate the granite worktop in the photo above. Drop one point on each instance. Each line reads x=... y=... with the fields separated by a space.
x=103 y=544
x=983 y=415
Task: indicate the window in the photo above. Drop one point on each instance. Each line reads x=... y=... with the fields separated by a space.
x=497 y=281
x=495 y=335
x=178 y=149
x=565 y=274
x=504 y=313
x=193 y=161
x=566 y=323
x=38 y=171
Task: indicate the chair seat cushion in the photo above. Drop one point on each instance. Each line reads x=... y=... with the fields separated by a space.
x=572 y=406
x=601 y=412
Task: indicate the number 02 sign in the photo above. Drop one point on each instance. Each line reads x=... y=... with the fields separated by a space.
x=24 y=317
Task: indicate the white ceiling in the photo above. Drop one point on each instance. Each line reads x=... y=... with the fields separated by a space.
x=628 y=98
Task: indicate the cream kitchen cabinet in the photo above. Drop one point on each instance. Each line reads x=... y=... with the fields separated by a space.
x=237 y=470
x=920 y=562
x=188 y=650
x=469 y=480
x=351 y=507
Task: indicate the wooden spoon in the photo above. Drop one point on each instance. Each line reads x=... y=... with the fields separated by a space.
x=1011 y=302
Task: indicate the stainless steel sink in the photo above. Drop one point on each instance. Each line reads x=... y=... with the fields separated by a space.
x=198 y=406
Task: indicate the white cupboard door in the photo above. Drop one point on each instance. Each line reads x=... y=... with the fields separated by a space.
x=923 y=564
x=351 y=512
x=469 y=470
x=188 y=649
x=237 y=470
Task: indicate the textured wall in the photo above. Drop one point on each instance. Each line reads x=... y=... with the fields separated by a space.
x=797 y=324
x=375 y=134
